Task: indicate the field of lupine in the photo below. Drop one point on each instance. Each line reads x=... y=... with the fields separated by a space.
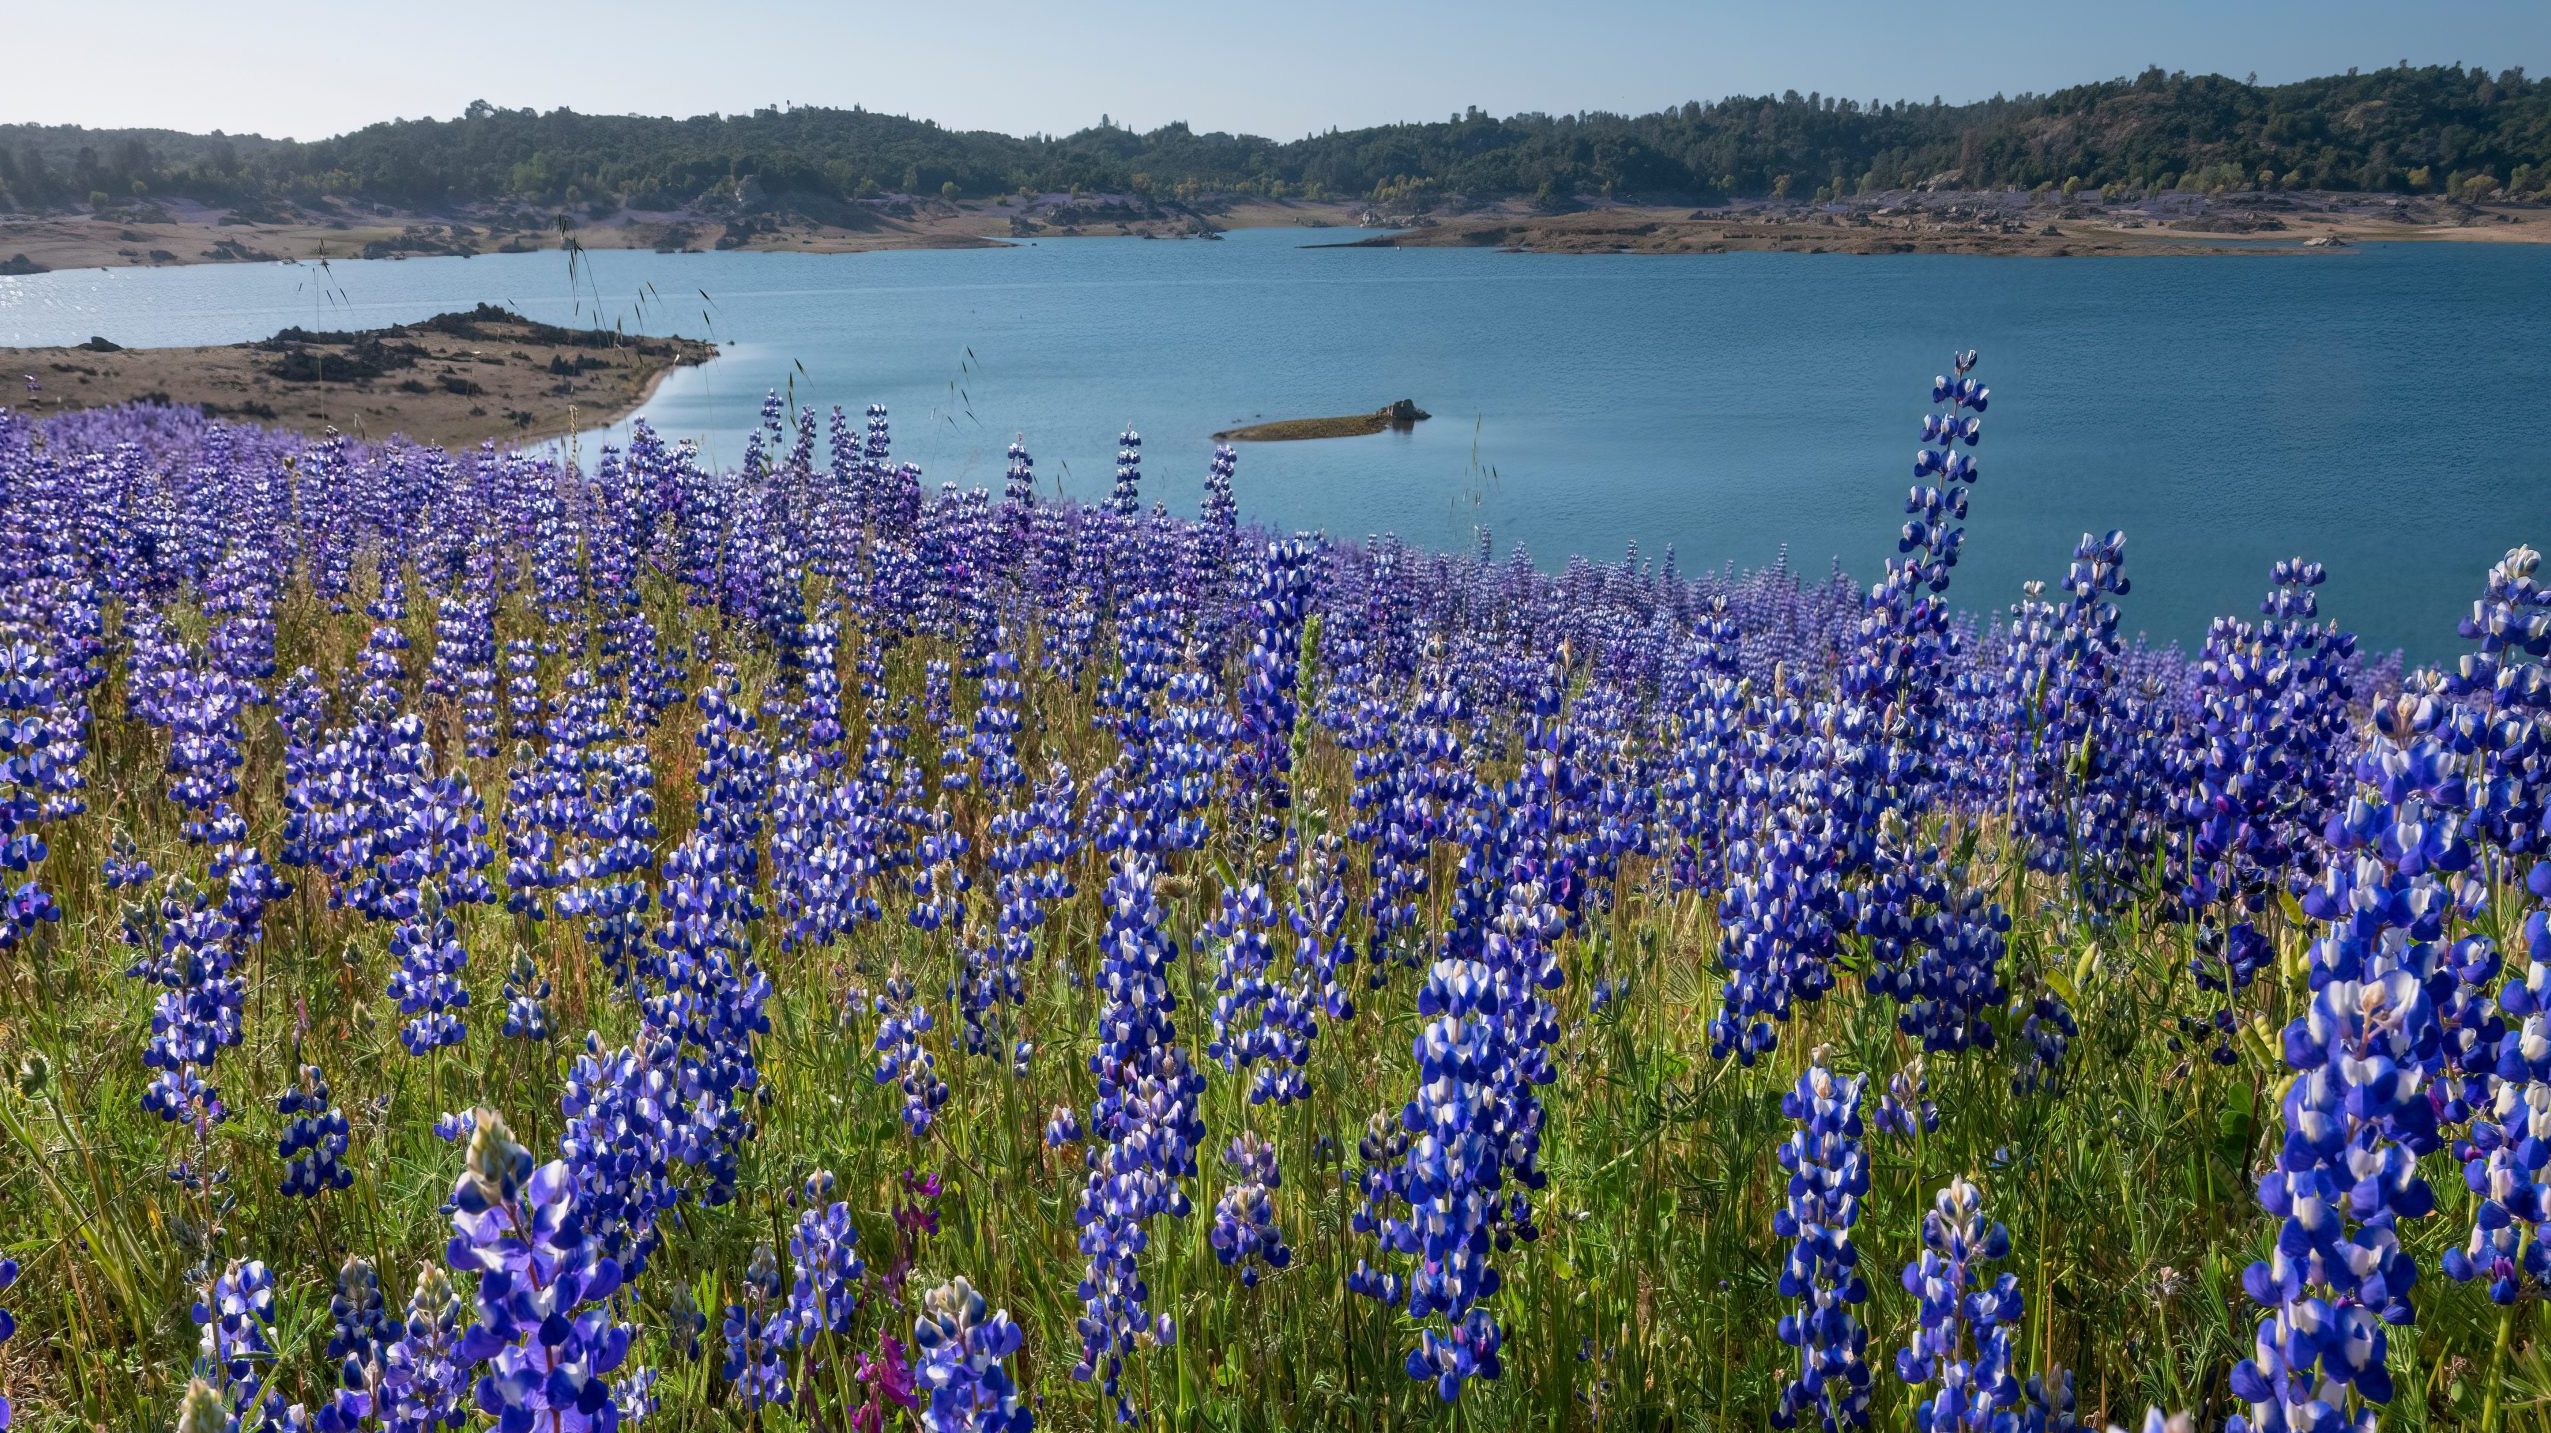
x=501 y=944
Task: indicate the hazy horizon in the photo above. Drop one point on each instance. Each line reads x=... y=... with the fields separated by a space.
x=260 y=67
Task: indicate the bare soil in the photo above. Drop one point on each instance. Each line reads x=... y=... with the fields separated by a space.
x=455 y=379
x=2000 y=225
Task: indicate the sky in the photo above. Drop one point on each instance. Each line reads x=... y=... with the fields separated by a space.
x=318 y=67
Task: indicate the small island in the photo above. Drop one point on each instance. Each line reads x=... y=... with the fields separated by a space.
x=1400 y=414
x=456 y=378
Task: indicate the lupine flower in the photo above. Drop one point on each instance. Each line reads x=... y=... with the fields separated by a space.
x=1827 y=1177
x=8 y=1326
x=202 y=1410
x=1262 y=1030
x=236 y=1314
x=191 y=949
x=630 y=1124
x=1905 y=1106
x=314 y=1136
x=362 y=1323
x=2357 y=1117
x=1126 y=500
x=756 y=1332
x=1263 y=763
x=543 y=1327
x=1144 y=1128
x=1963 y=1341
x=526 y=1000
x=2509 y=1144
x=902 y=1061
x=964 y=1368
x=40 y=750
x=2511 y=700
x=2273 y=700
x=823 y=1250
x=1062 y=1127
x=1244 y=1235
x=1454 y=1176
x=2086 y=796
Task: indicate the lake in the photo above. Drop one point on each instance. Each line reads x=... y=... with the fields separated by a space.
x=2381 y=410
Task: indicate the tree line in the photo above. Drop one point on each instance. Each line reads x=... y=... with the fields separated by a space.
x=2438 y=129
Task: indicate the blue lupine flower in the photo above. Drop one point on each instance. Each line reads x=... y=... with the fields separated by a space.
x=903 y=1061
x=2358 y=1115
x=42 y=722
x=1827 y=1177
x=543 y=1326
x=1143 y=1125
x=2088 y=793
x=314 y=1137
x=963 y=1369
x=1263 y=764
x=1905 y=1106
x=1126 y=499
x=1261 y=1029
x=823 y=1250
x=756 y=1332
x=8 y=1327
x=1454 y=1175
x=526 y=1001
x=191 y=949
x=237 y=1314
x=361 y=1322
x=1244 y=1235
x=2510 y=1140
x=1963 y=1341
x=1062 y=1127
x=2273 y=702
x=2511 y=702
x=629 y=1124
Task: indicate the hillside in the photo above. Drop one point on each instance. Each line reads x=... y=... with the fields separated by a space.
x=2439 y=129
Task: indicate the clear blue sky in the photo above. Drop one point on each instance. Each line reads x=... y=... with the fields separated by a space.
x=311 y=69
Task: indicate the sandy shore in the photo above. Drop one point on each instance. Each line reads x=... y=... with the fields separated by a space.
x=1969 y=228
x=454 y=380
x=1920 y=223
x=183 y=234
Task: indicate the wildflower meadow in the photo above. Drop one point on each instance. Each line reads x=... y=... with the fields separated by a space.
x=496 y=940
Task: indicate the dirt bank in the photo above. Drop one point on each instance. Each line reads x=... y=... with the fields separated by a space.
x=454 y=379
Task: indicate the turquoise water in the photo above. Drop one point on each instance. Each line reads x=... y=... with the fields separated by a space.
x=2382 y=410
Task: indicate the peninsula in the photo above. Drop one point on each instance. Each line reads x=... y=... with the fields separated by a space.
x=453 y=379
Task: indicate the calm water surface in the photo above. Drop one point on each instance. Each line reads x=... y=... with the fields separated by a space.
x=2382 y=410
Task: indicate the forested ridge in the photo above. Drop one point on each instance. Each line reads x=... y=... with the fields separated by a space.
x=2463 y=131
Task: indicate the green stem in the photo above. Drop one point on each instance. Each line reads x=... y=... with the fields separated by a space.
x=2497 y=1361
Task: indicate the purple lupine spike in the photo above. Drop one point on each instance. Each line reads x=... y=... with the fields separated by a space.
x=1827 y=1177
x=963 y=1370
x=543 y=1326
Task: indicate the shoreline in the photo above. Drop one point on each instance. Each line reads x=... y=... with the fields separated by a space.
x=1962 y=229
x=456 y=379
x=2005 y=224
x=182 y=235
